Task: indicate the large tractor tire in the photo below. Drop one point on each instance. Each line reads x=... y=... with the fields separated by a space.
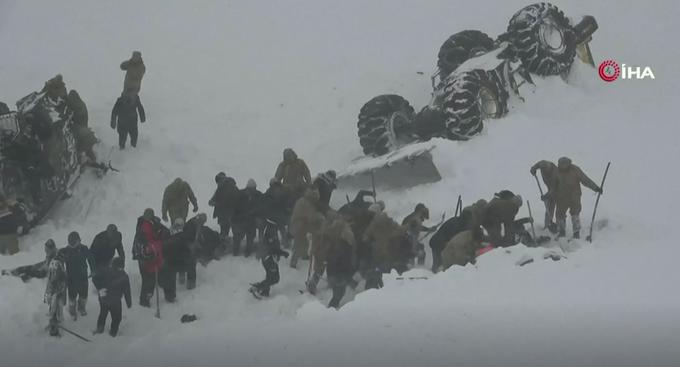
x=382 y=123
x=470 y=99
x=543 y=39
x=460 y=47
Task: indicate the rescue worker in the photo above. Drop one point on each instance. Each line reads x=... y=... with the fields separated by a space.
x=305 y=220
x=77 y=258
x=176 y=199
x=389 y=243
x=413 y=223
x=124 y=118
x=326 y=184
x=104 y=246
x=224 y=202
x=293 y=174
x=270 y=259
x=246 y=219
x=147 y=250
x=501 y=213
x=462 y=248
x=114 y=285
x=550 y=179
x=568 y=195
x=55 y=88
x=134 y=72
x=55 y=292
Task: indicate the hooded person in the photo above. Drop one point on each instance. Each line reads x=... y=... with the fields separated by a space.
x=305 y=221
x=176 y=199
x=79 y=108
x=37 y=270
x=389 y=241
x=134 y=72
x=326 y=183
x=568 y=195
x=224 y=202
x=148 y=251
x=462 y=248
x=77 y=258
x=126 y=112
x=413 y=223
x=293 y=174
x=115 y=284
x=246 y=217
x=55 y=88
x=104 y=246
x=500 y=214
x=55 y=291
x=550 y=179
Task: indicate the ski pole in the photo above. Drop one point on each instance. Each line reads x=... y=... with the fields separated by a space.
x=459 y=206
x=75 y=334
x=158 y=303
x=533 y=231
x=597 y=202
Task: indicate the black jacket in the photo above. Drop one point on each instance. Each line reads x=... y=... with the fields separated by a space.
x=125 y=111
x=77 y=259
x=248 y=207
x=224 y=200
x=103 y=248
x=450 y=229
x=274 y=204
x=117 y=285
x=325 y=184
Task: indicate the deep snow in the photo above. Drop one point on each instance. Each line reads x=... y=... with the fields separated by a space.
x=230 y=84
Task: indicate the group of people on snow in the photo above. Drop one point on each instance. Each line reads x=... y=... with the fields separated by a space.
x=293 y=214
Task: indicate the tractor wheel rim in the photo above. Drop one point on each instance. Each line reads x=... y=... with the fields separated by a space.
x=551 y=36
x=488 y=104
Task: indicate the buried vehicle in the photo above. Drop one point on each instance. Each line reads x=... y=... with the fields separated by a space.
x=474 y=77
x=42 y=151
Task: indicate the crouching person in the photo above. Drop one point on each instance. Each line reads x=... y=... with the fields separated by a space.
x=55 y=292
x=112 y=285
x=273 y=252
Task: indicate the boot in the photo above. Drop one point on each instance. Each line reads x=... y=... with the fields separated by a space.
x=191 y=284
x=99 y=330
x=81 y=306
x=54 y=330
x=552 y=227
x=313 y=282
x=182 y=278
x=577 y=235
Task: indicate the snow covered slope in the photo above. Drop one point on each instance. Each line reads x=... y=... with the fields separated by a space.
x=230 y=84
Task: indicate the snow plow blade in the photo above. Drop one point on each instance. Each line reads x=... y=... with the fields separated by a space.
x=404 y=168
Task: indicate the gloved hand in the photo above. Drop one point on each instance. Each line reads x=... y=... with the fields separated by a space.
x=533 y=171
x=113 y=124
x=545 y=197
x=195 y=208
x=599 y=190
x=101 y=292
x=165 y=217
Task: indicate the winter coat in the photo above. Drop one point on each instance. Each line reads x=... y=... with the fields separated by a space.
x=325 y=184
x=450 y=229
x=76 y=104
x=8 y=221
x=224 y=200
x=460 y=250
x=293 y=173
x=116 y=284
x=413 y=223
x=501 y=212
x=338 y=248
x=134 y=72
x=56 y=281
x=274 y=204
x=124 y=113
x=388 y=242
x=569 y=184
x=4 y=108
x=176 y=198
x=55 y=88
x=548 y=174
x=103 y=248
x=77 y=259
x=272 y=244
x=248 y=207
x=148 y=246
x=306 y=217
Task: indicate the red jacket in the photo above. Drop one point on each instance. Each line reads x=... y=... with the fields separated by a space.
x=153 y=249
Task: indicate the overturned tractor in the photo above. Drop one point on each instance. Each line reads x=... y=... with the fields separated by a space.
x=42 y=150
x=474 y=78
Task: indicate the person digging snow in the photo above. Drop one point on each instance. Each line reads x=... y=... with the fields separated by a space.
x=568 y=195
x=550 y=179
x=413 y=223
x=77 y=258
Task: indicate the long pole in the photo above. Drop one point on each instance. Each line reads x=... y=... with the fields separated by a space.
x=375 y=200
x=597 y=202
x=459 y=206
x=75 y=334
x=533 y=231
x=158 y=303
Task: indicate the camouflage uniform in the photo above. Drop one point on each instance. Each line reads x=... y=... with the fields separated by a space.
x=176 y=198
x=306 y=219
x=293 y=174
x=134 y=72
x=462 y=248
x=568 y=194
